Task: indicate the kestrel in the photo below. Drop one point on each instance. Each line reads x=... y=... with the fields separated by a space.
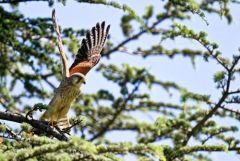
x=87 y=57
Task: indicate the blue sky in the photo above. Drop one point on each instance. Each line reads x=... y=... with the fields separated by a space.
x=180 y=70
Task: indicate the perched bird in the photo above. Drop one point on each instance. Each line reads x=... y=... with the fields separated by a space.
x=87 y=57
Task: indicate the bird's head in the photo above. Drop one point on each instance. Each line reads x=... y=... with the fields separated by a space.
x=77 y=79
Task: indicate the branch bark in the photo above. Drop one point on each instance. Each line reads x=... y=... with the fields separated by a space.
x=40 y=125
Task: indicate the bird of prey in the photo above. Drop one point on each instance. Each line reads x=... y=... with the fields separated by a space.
x=87 y=57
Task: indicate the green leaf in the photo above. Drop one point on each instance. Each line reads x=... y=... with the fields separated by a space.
x=219 y=76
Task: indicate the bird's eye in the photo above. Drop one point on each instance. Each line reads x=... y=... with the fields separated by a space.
x=75 y=79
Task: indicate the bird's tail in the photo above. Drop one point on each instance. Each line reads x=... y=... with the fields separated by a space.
x=63 y=122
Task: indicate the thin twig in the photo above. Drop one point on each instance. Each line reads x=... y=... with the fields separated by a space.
x=234 y=92
x=231 y=110
x=212 y=135
x=73 y=125
x=47 y=75
x=211 y=52
x=12 y=134
x=135 y=36
x=117 y=113
x=49 y=83
x=30 y=112
x=60 y=46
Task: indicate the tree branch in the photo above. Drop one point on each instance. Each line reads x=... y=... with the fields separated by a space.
x=50 y=84
x=231 y=110
x=225 y=94
x=234 y=92
x=41 y=125
x=136 y=35
x=117 y=113
x=212 y=135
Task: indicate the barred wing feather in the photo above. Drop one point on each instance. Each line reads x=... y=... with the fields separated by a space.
x=89 y=53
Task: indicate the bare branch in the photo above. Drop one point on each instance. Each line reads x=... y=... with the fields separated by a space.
x=212 y=135
x=231 y=110
x=40 y=125
x=49 y=83
x=234 y=92
x=60 y=46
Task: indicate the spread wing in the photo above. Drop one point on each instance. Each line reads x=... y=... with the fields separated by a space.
x=89 y=53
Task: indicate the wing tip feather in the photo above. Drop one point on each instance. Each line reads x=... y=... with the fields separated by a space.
x=96 y=37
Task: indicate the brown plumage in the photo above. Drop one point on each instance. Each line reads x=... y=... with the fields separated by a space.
x=89 y=53
x=87 y=57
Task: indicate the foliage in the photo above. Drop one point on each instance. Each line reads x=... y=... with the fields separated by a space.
x=30 y=61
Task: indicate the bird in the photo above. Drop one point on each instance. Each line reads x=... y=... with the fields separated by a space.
x=87 y=57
